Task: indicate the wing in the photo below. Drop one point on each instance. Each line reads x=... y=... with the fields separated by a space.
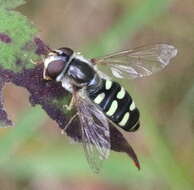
x=95 y=132
x=139 y=62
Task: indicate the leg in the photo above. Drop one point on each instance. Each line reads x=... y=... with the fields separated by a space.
x=36 y=62
x=69 y=107
x=69 y=122
x=71 y=104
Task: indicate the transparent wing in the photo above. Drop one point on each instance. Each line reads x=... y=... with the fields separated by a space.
x=139 y=62
x=95 y=132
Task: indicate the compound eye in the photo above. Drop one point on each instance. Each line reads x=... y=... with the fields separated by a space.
x=55 y=68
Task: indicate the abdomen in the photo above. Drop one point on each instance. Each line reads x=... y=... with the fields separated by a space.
x=117 y=104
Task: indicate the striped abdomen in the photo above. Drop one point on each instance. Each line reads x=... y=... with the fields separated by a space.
x=117 y=104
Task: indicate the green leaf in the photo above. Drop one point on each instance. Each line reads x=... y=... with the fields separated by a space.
x=19 y=51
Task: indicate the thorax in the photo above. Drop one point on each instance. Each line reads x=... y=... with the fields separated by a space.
x=80 y=73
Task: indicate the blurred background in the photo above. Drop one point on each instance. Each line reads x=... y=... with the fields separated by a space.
x=34 y=154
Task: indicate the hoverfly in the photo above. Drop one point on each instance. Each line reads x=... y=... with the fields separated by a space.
x=98 y=99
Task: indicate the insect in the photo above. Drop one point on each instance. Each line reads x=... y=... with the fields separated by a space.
x=98 y=99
